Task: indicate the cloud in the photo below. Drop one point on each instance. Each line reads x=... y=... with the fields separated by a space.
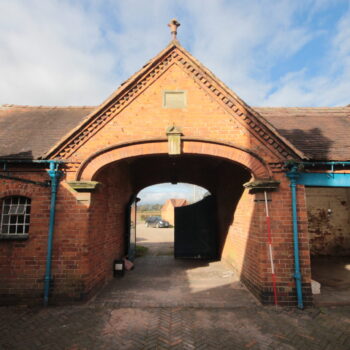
x=158 y=194
x=65 y=52
x=241 y=42
x=53 y=52
x=331 y=87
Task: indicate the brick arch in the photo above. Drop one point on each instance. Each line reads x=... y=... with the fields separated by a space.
x=23 y=192
x=252 y=162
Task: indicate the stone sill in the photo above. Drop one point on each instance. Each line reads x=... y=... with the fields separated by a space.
x=14 y=237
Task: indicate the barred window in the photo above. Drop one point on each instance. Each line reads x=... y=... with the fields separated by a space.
x=15 y=216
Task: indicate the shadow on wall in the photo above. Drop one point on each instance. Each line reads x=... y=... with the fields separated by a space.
x=228 y=194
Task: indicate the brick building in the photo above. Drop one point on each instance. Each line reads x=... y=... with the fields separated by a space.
x=168 y=209
x=69 y=174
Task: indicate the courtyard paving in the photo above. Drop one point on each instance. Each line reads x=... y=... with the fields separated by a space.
x=98 y=326
x=172 y=304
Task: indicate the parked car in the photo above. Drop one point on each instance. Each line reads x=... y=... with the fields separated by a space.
x=156 y=221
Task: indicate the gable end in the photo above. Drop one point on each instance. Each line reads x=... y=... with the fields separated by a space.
x=175 y=54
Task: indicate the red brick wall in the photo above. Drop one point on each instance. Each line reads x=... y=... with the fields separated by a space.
x=242 y=247
x=145 y=118
x=22 y=262
x=246 y=246
x=69 y=259
x=89 y=234
x=87 y=238
x=168 y=213
x=107 y=223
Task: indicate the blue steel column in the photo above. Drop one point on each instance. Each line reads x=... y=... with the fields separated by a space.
x=54 y=175
x=293 y=175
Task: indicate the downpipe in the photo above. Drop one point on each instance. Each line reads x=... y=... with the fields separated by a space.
x=293 y=175
x=54 y=174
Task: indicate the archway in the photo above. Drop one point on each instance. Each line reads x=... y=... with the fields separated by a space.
x=247 y=159
x=123 y=171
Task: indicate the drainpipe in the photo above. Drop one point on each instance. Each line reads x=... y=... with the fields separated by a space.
x=293 y=175
x=54 y=175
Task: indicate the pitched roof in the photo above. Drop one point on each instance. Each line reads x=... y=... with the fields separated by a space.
x=27 y=132
x=321 y=133
x=178 y=202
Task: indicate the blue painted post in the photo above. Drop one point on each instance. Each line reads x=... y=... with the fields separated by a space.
x=293 y=176
x=54 y=175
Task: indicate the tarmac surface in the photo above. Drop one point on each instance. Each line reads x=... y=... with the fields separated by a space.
x=173 y=304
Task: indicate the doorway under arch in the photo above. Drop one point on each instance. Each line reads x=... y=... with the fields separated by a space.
x=166 y=217
x=121 y=180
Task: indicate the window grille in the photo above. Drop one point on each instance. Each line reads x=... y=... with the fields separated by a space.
x=15 y=215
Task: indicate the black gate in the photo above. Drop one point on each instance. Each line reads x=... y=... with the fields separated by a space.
x=195 y=230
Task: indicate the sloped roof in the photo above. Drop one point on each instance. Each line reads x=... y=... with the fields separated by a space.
x=28 y=132
x=178 y=202
x=321 y=133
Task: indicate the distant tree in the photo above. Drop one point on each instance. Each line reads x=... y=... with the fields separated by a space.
x=149 y=207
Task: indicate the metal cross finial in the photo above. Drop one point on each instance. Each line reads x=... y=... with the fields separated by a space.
x=173 y=27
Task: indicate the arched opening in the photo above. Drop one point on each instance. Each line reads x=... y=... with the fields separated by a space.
x=123 y=170
x=224 y=179
x=122 y=180
x=154 y=215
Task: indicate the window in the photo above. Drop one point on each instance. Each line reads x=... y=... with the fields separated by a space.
x=15 y=216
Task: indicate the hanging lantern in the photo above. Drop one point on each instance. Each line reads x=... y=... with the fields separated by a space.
x=174 y=140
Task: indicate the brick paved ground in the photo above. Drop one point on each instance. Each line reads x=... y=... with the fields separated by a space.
x=203 y=307
x=97 y=326
x=168 y=282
